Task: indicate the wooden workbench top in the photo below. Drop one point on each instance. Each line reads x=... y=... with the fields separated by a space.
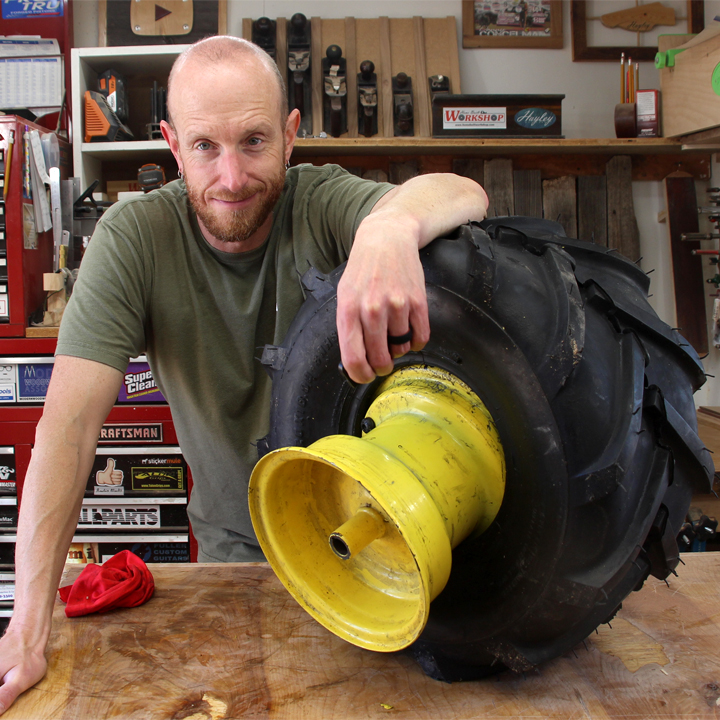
x=227 y=641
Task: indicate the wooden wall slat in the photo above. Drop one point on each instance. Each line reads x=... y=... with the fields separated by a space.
x=623 y=232
x=527 y=187
x=472 y=168
x=281 y=58
x=560 y=203
x=353 y=66
x=421 y=90
x=592 y=208
x=385 y=73
x=317 y=54
x=499 y=187
x=682 y=217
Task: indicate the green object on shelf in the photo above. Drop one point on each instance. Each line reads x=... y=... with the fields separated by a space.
x=667 y=58
x=715 y=79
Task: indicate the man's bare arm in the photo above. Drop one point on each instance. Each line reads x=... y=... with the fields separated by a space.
x=382 y=291
x=79 y=398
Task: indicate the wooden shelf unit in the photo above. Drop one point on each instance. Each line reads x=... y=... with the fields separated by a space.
x=652 y=158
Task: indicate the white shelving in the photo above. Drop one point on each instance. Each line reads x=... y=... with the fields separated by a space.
x=136 y=64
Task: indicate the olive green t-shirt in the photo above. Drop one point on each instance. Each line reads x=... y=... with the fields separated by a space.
x=150 y=283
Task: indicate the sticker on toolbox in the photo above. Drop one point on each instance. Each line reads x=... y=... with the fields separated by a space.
x=32 y=381
x=4 y=312
x=8 y=376
x=7 y=551
x=7 y=591
x=127 y=471
x=127 y=514
x=131 y=433
x=150 y=552
x=7 y=471
x=167 y=479
x=18 y=9
x=139 y=385
x=119 y=516
x=8 y=516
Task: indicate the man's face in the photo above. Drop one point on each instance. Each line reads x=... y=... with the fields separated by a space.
x=231 y=144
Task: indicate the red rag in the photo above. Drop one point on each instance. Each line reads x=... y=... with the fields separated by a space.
x=122 y=581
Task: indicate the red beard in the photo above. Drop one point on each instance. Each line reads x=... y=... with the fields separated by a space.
x=238 y=225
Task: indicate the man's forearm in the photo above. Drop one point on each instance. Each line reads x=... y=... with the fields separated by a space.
x=429 y=206
x=51 y=501
x=79 y=398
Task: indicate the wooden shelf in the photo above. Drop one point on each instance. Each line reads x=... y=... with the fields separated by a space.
x=485 y=146
x=124 y=150
x=653 y=158
x=311 y=147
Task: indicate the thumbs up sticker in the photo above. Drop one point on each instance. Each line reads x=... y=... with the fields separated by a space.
x=110 y=475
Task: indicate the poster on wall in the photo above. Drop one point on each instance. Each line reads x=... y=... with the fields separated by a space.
x=512 y=23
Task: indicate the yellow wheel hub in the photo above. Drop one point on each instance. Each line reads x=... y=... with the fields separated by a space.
x=361 y=530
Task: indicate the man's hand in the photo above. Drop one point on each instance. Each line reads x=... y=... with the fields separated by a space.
x=382 y=291
x=20 y=668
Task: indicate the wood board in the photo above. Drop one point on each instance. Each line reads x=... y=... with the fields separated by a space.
x=709 y=431
x=682 y=217
x=622 y=229
x=419 y=47
x=227 y=641
x=689 y=103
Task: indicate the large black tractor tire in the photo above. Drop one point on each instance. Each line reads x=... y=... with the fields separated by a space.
x=592 y=397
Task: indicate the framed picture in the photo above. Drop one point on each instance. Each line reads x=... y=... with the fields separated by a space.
x=604 y=30
x=512 y=23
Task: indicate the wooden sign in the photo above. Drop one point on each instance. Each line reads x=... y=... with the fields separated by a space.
x=640 y=18
x=163 y=17
x=145 y=22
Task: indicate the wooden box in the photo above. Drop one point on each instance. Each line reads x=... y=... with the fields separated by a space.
x=689 y=89
x=506 y=116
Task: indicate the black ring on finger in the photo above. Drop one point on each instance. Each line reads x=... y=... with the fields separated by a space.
x=400 y=339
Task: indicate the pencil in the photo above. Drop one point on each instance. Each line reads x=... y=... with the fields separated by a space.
x=8 y=162
x=622 y=78
x=637 y=80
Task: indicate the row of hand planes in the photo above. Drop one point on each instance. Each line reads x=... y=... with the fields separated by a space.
x=335 y=86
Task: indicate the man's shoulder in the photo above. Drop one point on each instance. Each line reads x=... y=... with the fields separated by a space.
x=306 y=176
x=153 y=207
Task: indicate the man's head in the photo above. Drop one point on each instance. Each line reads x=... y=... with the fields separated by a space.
x=231 y=136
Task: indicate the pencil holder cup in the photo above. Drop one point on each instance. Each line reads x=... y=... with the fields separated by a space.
x=625 y=120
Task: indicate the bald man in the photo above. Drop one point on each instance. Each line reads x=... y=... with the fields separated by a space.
x=200 y=274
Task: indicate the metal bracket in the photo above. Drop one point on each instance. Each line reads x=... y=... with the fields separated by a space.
x=367 y=99
x=334 y=68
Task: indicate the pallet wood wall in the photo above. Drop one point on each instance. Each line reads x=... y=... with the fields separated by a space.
x=596 y=208
x=419 y=47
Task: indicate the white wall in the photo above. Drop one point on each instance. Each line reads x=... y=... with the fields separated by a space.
x=591 y=90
